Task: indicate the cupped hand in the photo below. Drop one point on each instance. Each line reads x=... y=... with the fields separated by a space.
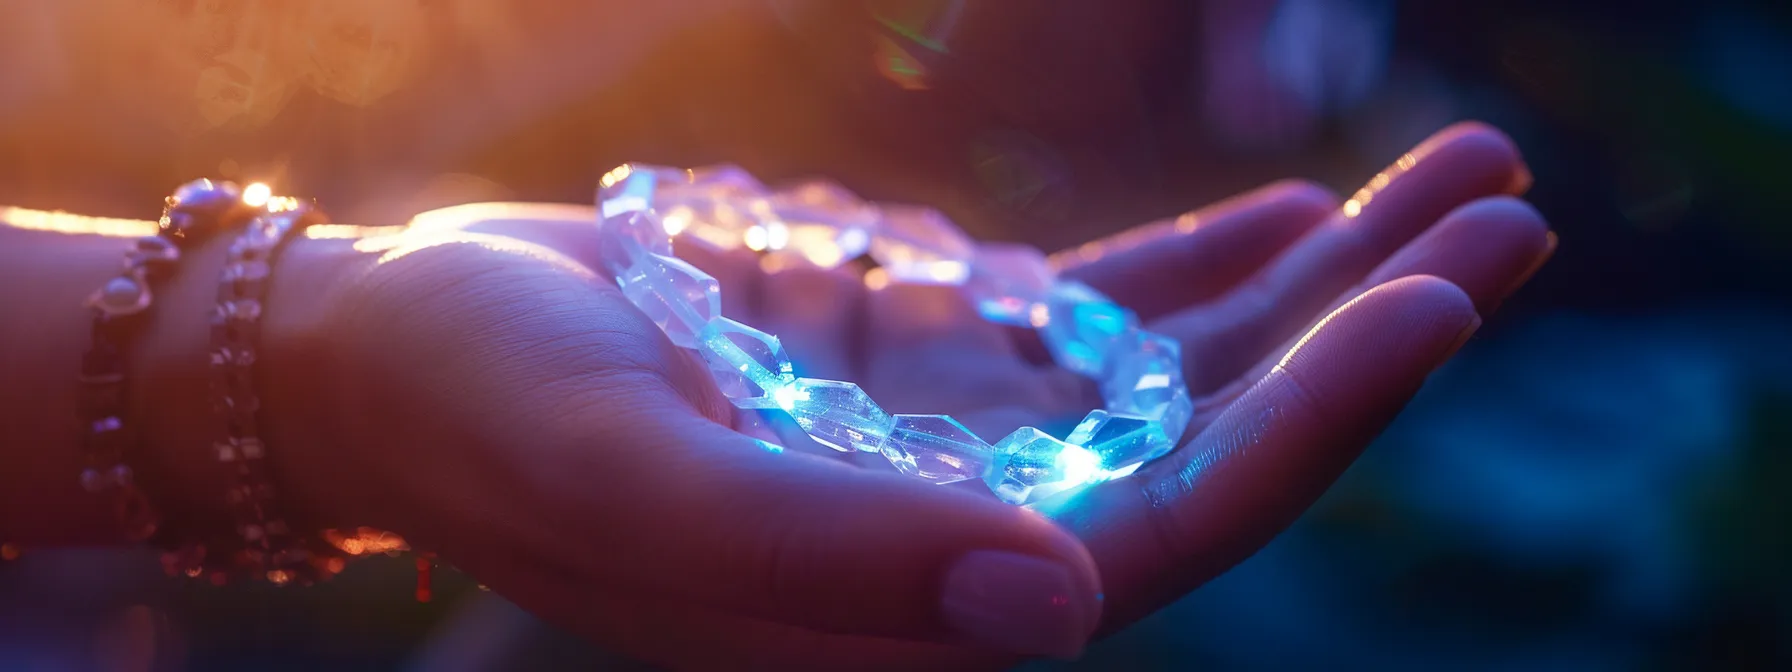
x=492 y=398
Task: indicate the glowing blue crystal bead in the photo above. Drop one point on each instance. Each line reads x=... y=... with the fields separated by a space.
x=749 y=365
x=1007 y=281
x=1144 y=379
x=675 y=295
x=836 y=414
x=919 y=245
x=818 y=222
x=1121 y=442
x=1030 y=466
x=1081 y=327
x=937 y=448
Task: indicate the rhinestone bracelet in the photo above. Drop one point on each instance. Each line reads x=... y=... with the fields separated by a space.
x=193 y=213
x=642 y=209
x=267 y=543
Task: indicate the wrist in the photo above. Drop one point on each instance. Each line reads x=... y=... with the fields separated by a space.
x=295 y=364
x=48 y=271
x=308 y=379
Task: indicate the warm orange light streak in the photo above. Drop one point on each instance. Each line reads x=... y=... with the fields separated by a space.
x=67 y=222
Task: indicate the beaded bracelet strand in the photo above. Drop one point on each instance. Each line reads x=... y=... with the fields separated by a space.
x=642 y=209
x=193 y=213
x=265 y=546
x=267 y=543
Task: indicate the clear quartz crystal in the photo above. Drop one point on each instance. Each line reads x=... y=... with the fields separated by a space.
x=643 y=208
x=1080 y=327
x=1122 y=443
x=836 y=414
x=919 y=245
x=627 y=238
x=723 y=181
x=1007 y=281
x=937 y=448
x=1144 y=379
x=675 y=295
x=749 y=365
x=1030 y=466
x=715 y=206
x=818 y=222
x=629 y=188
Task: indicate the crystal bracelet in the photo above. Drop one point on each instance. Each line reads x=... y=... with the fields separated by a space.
x=642 y=209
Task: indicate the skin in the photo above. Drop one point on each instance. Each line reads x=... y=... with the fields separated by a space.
x=471 y=384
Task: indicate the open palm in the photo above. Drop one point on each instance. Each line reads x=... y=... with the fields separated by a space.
x=1305 y=324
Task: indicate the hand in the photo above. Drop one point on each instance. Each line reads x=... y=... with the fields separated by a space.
x=484 y=393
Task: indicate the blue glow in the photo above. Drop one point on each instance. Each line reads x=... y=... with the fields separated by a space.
x=1031 y=465
x=747 y=362
x=1121 y=442
x=1082 y=326
x=724 y=208
x=788 y=395
x=837 y=414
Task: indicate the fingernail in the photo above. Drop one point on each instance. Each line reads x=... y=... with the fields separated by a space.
x=1521 y=181
x=1549 y=250
x=1461 y=339
x=1016 y=603
x=1518 y=282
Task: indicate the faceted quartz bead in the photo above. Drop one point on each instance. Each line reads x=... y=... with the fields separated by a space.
x=1122 y=443
x=919 y=245
x=624 y=198
x=627 y=239
x=749 y=365
x=675 y=295
x=1007 y=281
x=1081 y=326
x=937 y=448
x=715 y=206
x=1144 y=379
x=1030 y=466
x=628 y=188
x=816 y=221
x=836 y=414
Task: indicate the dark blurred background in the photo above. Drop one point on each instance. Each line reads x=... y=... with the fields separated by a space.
x=1603 y=480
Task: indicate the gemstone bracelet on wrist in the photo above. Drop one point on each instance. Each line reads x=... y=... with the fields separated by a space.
x=643 y=209
x=194 y=213
x=266 y=543
x=263 y=545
